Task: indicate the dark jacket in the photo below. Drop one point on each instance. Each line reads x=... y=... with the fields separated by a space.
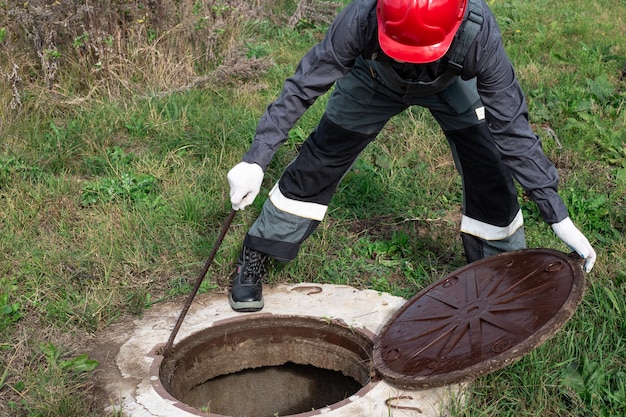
x=354 y=33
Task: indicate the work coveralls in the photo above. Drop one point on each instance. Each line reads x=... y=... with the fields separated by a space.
x=481 y=110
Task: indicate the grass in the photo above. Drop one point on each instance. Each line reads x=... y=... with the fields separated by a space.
x=113 y=189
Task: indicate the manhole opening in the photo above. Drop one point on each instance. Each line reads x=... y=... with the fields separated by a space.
x=268 y=366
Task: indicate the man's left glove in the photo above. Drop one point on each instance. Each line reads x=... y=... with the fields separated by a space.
x=245 y=183
x=573 y=238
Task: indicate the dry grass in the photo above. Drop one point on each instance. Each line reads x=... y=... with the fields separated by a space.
x=66 y=53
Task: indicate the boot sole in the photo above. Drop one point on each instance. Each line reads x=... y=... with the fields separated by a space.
x=246 y=306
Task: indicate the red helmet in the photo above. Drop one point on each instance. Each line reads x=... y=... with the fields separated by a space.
x=418 y=31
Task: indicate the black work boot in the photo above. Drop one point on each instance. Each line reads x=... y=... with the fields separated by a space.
x=246 y=293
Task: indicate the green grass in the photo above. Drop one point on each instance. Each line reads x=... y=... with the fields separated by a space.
x=112 y=196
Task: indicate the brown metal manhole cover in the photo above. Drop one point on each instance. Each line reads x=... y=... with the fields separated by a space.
x=479 y=318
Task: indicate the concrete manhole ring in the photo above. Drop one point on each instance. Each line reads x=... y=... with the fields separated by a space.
x=354 y=316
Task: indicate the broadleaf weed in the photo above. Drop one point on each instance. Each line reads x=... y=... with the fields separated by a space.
x=128 y=186
x=10 y=312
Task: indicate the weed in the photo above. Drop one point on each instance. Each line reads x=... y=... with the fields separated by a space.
x=591 y=211
x=10 y=312
x=128 y=186
x=388 y=253
x=79 y=364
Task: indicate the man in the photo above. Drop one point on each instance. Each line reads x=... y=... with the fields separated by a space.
x=384 y=56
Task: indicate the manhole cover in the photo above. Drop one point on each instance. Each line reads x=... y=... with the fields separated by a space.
x=479 y=318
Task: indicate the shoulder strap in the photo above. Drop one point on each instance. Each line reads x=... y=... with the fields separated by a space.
x=472 y=26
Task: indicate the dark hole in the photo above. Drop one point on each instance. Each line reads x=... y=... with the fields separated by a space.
x=272 y=391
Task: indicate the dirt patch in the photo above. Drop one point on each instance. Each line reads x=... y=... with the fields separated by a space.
x=104 y=347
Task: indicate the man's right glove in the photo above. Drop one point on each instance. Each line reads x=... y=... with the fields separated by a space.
x=245 y=183
x=573 y=238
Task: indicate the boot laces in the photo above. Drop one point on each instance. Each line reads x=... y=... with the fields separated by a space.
x=254 y=266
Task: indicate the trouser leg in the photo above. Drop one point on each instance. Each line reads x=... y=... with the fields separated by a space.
x=491 y=220
x=477 y=248
x=299 y=200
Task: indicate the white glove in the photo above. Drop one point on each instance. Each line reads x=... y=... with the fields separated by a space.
x=573 y=238
x=245 y=183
